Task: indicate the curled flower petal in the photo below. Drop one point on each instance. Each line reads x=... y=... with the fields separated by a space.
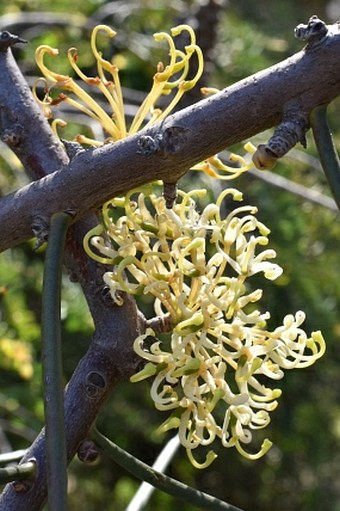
x=264 y=449
x=197 y=267
x=220 y=344
x=211 y=456
x=172 y=77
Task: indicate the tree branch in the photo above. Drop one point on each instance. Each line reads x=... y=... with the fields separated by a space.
x=104 y=364
x=110 y=356
x=164 y=152
x=298 y=84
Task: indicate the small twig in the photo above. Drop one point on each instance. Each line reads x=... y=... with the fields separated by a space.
x=328 y=155
x=52 y=365
x=7 y=40
x=307 y=194
x=17 y=472
x=159 y=480
x=287 y=134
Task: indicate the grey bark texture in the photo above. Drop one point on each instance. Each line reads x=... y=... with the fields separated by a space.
x=166 y=151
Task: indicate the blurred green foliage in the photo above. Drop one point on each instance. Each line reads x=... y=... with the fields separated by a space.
x=300 y=473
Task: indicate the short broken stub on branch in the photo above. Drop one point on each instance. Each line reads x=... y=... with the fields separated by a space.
x=288 y=133
x=295 y=122
x=8 y=40
x=314 y=31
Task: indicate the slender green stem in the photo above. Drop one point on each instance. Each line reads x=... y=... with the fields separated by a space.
x=17 y=472
x=52 y=365
x=159 y=480
x=328 y=155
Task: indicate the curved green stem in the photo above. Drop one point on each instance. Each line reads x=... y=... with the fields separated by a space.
x=159 y=480
x=52 y=365
x=18 y=472
x=328 y=155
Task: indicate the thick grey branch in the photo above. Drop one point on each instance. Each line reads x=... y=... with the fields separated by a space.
x=309 y=78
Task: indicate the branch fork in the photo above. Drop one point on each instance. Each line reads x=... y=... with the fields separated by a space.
x=189 y=136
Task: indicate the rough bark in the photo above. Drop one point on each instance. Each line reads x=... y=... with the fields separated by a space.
x=91 y=384
x=109 y=357
x=297 y=85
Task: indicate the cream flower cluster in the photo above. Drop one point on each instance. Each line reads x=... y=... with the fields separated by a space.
x=169 y=80
x=197 y=266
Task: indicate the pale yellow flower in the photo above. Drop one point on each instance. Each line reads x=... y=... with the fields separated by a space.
x=197 y=267
x=169 y=79
x=214 y=166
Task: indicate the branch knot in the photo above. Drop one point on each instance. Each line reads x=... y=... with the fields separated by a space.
x=8 y=40
x=95 y=384
x=164 y=143
x=313 y=32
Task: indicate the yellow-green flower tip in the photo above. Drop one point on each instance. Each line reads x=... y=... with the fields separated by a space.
x=171 y=423
x=266 y=445
x=148 y=370
x=190 y=325
x=105 y=28
x=211 y=456
x=190 y=367
x=317 y=338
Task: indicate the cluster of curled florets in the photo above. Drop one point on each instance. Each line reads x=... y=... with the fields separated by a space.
x=197 y=267
x=169 y=80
